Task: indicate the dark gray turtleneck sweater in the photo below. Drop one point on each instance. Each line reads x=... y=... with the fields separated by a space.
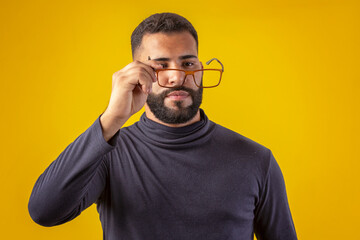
x=151 y=181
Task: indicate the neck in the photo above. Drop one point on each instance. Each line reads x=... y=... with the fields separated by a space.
x=150 y=115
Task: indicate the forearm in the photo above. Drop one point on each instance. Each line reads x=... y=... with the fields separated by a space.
x=60 y=191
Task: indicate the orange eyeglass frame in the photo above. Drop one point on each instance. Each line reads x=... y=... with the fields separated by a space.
x=192 y=73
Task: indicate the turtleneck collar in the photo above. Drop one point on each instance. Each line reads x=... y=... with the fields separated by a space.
x=156 y=132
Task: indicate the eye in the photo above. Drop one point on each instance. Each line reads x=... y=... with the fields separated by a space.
x=163 y=65
x=188 y=64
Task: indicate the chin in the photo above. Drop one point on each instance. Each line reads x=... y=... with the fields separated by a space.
x=176 y=105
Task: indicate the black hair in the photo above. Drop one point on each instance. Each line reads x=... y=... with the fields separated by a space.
x=161 y=22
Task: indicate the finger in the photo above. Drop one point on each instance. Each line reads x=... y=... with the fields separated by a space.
x=151 y=71
x=151 y=66
x=144 y=82
x=136 y=67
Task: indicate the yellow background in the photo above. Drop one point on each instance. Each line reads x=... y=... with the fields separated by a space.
x=291 y=83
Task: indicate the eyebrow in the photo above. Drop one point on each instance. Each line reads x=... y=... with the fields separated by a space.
x=168 y=59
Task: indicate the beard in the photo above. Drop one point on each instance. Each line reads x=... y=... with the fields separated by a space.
x=175 y=116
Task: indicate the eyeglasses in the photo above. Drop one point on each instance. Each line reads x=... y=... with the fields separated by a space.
x=209 y=77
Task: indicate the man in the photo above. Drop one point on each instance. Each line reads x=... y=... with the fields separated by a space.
x=174 y=174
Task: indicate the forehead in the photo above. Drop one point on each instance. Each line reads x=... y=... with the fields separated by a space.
x=168 y=45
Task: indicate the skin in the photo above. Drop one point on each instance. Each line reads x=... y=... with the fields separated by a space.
x=132 y=84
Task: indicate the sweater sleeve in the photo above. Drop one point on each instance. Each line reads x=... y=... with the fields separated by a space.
x=74 y=180
x=273 y=220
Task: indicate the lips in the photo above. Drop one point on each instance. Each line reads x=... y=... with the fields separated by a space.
x=178 y=95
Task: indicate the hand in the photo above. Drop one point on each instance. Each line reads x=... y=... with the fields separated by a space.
x=130 y=88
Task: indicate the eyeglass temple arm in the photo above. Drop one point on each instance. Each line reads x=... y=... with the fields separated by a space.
x=208 y=62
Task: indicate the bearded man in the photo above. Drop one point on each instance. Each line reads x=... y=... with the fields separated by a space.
x=174 y=174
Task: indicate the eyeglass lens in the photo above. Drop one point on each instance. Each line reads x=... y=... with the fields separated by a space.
x=174 y=78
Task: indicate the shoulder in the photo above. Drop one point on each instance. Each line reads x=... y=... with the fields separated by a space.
x=232 y=138
x=246 y=150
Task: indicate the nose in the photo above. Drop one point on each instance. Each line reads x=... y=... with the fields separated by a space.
x=176 y=77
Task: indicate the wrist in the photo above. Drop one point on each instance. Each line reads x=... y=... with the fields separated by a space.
x=110 y=125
